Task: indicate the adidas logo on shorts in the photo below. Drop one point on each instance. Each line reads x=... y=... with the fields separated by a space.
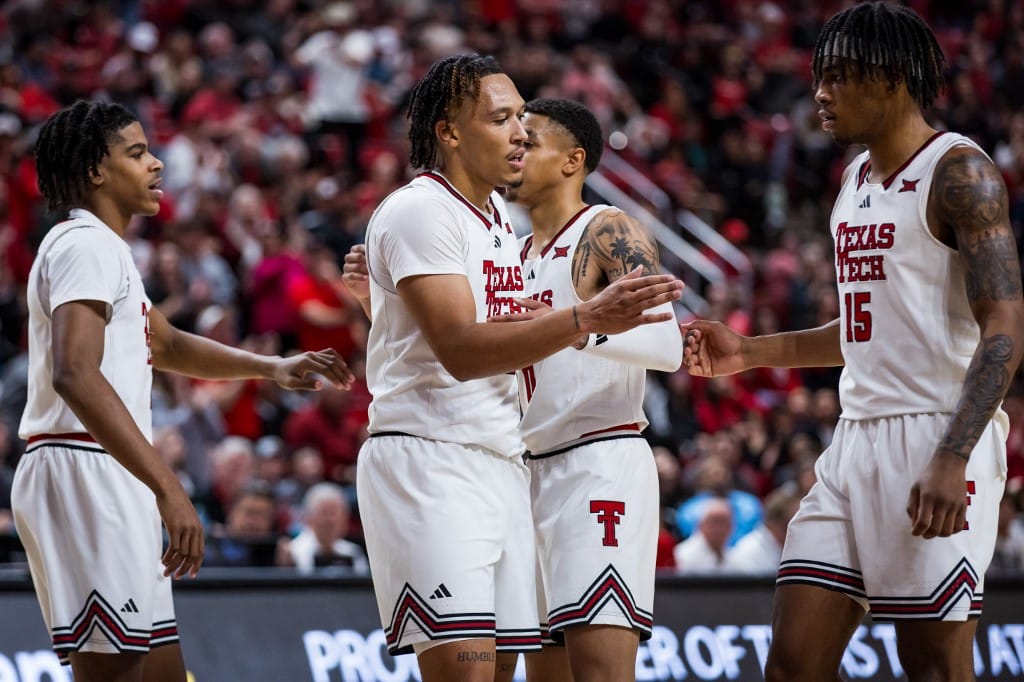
x=441 y=592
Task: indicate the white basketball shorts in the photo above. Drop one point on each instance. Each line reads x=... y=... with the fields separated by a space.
x=852 y=533
x=595 y=508
x=93 y=539
x=450 y=541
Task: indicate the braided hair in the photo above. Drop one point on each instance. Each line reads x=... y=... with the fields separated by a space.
x=878 y=37
x=71 y=146
x=438 y=96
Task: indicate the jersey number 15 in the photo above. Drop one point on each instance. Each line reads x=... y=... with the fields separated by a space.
x=858 y=317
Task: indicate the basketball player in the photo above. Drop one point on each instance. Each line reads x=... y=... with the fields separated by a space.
x=902 y=521
x=442 y=487
x=90 y=493
x=594 y=483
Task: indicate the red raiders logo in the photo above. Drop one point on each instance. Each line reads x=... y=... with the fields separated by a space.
x=608 y=513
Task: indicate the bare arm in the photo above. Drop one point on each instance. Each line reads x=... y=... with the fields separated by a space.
x=712 y=349
x=197 y=356
x=445 y=311
x=78 y=342
x=968 y=200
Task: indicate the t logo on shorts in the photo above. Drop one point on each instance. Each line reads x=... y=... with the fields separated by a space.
x=608 y=513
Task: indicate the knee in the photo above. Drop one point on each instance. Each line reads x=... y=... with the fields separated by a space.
x=798 y=666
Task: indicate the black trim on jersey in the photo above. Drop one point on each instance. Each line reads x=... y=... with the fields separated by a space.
x=441 y=180
x=887 y=183
x=551 y=242
x=52 y=444
x=862 y=174
x=382 y=434
x=562 y=451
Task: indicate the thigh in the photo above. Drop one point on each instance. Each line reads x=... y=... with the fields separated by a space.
x=549 y=665
x=811 y=627
x=468 y=660
x=164 y=664
x=95 y=667
x=821 y=548
x=596 y=513
x=937 y=651
x=436 y=518
x=909 y=578
x=95 y=544
x=602 y=653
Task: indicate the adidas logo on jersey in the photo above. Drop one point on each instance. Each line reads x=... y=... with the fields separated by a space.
x=866 y=203
x=130 y=607
x=497 y=242
x=441 y=592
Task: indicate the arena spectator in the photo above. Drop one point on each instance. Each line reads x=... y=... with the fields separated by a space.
x=322 y=541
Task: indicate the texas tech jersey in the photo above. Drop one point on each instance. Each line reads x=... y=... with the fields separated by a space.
x=428 y=228
x=572 y=396
x=81 y=259
x=906 y=326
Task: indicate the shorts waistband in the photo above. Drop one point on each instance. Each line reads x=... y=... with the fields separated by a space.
x=68 y=441
x=77 y=437
x=382 y=434
x=631 y=430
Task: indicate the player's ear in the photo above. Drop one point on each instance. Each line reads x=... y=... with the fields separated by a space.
x=446 y=132
x=575 y=160
x=95 y=176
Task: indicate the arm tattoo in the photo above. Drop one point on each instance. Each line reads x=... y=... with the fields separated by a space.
x=986 y=382
x=971 y=198
x=615 y=243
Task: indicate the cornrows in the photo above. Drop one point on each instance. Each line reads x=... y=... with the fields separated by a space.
x=438 y=95
x=70 y=147
x=878 y=37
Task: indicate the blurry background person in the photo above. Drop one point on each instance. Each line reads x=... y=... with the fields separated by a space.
x=322 y=540
x=707 y=551
x=760 y=550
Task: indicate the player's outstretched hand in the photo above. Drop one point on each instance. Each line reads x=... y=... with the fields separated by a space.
x=305 y=370
x=711 y=349
x=623 y=303
x=532 y=309
x=938 y=500
x=186 y=540
x=355 y=274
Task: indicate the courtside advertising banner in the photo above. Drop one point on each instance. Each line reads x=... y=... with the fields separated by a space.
x=252 y=628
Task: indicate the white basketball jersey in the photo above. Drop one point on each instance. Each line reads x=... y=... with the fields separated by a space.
x=82 y=259
x=572 y=396
x=906 y=326
x=428 y=228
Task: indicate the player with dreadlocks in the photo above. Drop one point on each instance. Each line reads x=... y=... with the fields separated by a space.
x=90 y=492
x=443 y=491
x=902 y=520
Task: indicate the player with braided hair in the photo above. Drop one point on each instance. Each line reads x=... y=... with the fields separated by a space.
x=91 y=492
x=443 y=491
x=902 y=520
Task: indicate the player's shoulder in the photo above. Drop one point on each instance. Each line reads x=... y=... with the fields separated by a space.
x=77 y=232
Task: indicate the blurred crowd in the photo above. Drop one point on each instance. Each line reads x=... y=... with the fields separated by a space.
x=281 y=125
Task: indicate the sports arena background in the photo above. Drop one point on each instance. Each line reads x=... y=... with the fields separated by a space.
x=281 y=126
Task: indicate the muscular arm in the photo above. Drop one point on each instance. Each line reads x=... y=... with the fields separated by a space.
x=196 y=356
x=444 y=309
x=612 y=245
x=78 y=341
x=969 y=199
x=77 y=346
